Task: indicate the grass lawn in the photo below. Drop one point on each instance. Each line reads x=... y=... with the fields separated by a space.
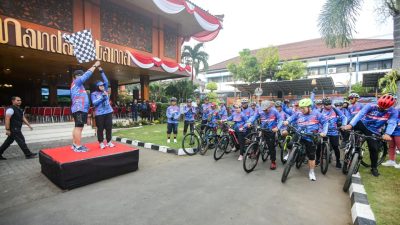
x=383 y=193
x=156 y=134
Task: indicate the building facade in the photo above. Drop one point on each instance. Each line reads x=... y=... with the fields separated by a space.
x=136 y=41
x=346 y=66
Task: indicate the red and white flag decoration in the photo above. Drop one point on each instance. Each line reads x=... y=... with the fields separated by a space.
x=211 y=24
x=147 y=62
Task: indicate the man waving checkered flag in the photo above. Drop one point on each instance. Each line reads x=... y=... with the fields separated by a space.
x=82 y=41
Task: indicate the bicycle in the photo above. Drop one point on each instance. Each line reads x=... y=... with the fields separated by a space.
x=227 y=142
x=191 y=141
x=209 y=139
x=283 y=145
x=298 y=153
x=326 y=154
x=354 y=154
x=256 y=148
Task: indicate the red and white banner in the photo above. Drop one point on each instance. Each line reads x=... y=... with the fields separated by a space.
x=147 y=62
x=208 y=22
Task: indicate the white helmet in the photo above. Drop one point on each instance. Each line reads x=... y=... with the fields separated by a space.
x=266 y=104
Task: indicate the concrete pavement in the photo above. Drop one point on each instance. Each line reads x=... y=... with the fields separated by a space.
x=169 y=189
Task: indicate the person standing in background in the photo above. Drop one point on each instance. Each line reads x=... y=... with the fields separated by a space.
x=134 y=110
x=153 y=110
x=13 y=123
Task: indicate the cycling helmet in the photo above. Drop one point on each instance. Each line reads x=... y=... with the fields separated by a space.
x=337 y=104
x=353 y=95
x=245 y=100
x=305 y=102
x=253 y=103
x=327 y=101
x=278 y=104
x=189 y=100
x=296 y=103
x=173 y=99
x=206 y=99
x=318 y=101
x=386 y=101
x=99 y=83
x=213 y=104
x=266 y=104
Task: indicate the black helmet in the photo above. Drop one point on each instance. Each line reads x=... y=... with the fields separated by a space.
x=339 y=103
x=189 y=100
x=327 y=101
x=278 y=104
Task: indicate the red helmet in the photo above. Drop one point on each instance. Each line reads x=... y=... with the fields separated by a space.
x=386 y=101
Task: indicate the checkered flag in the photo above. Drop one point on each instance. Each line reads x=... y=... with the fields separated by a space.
x=82 y=41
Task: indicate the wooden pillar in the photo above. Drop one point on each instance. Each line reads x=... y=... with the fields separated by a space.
x=114 y=91
x=144 y=87
x=53 y=91
x=37 y=92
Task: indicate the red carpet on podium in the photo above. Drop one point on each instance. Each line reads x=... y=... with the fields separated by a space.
x=69 y=169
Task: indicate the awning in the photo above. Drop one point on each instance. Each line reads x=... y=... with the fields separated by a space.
x=288 y=86
x=371 y=79
x=195 y=22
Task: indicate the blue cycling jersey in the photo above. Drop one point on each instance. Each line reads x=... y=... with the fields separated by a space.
x=189 y=113
x=240 y=120
x=223 y=113
x=205 y=110
x=396 y=131
x=309 y=123
x=79 y=97
x=374 y=119
x=354 y=109
x=269 y=120
x=101 y=100
x=173 y=114
x=333 y=117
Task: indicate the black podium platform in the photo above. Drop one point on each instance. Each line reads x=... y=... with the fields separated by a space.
x=68 y=169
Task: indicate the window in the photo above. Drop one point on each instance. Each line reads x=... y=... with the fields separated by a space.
x=374 y=65
x=313 y=71
x=327 y=58
x=387 y=64
x=342 y=69
x=322 y=70
x=363 y=67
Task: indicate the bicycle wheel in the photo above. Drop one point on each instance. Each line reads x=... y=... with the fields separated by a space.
x=250 y=138
x=221 y=147
x=251 y=157
x=300 y=159
x=284 y=149
x=324 y=161
x=190 y=144
x=291 y=161
x=204 y=145
x=264 y=152
x=382 y=152
x=198 y=132
x=352 y=170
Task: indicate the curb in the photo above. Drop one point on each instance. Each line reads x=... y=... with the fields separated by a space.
x=361 y=211
x=160 y=148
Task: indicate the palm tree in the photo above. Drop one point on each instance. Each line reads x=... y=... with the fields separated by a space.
x=196 y=57
x=337 y=24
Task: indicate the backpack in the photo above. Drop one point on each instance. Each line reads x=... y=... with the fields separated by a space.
x=339 y=122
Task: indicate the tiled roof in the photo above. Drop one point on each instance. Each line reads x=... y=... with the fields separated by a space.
x=315 y=48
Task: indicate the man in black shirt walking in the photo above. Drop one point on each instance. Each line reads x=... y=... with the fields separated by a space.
x=14 y=120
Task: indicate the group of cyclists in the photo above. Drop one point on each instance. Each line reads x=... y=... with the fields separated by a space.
x=316 y=117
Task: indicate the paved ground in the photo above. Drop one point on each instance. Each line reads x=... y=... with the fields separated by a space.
x=168 y=189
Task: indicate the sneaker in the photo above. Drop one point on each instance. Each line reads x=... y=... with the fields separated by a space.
x=175 y=141
x=102 y=145
x=273 y=165
x=168 y=141
x=31 y=156
x=2 y=158
x=80 y=149
x=375 y=172
x=110 y=145
x=398 y=152
x=338 y=165
x=311 y=175
x=72 y=146
x=389 y=163
x=317 y=162
x=397 y=166
x=240 y=158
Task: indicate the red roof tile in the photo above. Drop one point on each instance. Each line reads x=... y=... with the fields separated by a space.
x=315 y=48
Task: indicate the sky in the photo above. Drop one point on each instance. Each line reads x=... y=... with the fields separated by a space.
x=256 y=24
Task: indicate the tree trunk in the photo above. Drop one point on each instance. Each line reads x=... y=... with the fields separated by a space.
x=396 y=51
